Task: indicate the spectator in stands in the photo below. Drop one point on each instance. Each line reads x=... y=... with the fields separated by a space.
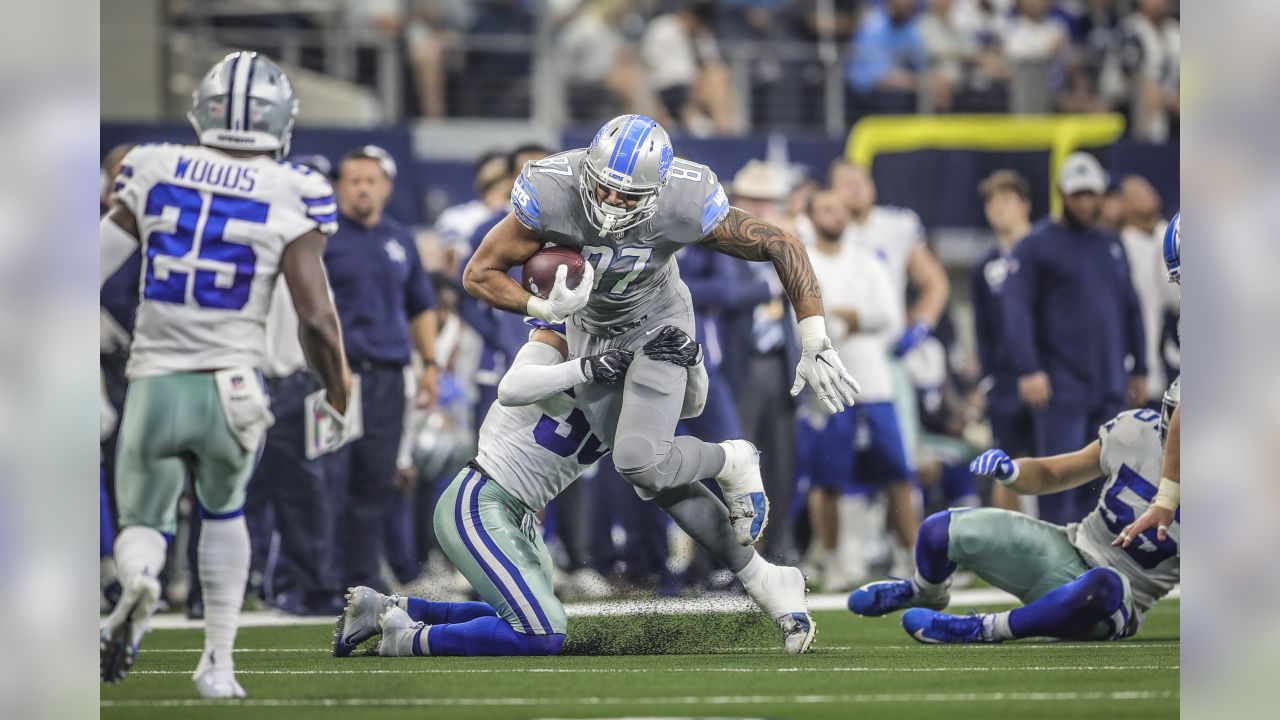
x=1006 y=198
x=384 y=301
x=499 y=60
x=457 y=223
x=431 y=35
x=684 y=67
x=1072 y=322
x=961 y=63
x=1143 y=236
x=861 y=450
x=1150 y=51
x=1034 y=42
x=888 y=63
x=760 y=374
x=601 y=72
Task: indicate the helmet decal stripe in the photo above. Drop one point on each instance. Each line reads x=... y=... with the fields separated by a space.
x=231 y=76
x=635 y=150
x=617 y=148
x=248 y=88
x=238 y=90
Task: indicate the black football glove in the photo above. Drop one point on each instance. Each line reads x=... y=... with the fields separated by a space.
x=608 y=367
x=674 y=345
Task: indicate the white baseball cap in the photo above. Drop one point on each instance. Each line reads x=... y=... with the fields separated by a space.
x=1082 y=173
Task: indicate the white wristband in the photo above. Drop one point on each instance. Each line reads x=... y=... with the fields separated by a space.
x=1168 y=495
x=1013 y=478
x=538 y=307
x=813 y=330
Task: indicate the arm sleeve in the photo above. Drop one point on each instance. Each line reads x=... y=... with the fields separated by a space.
x=114 y=248
x=1018 y=309
x=538 y=372
x=983 y=332
x=419 y=295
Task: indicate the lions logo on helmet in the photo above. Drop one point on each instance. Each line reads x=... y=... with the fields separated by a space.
x=1173 y=249
x=630 y=155
x=244 y=102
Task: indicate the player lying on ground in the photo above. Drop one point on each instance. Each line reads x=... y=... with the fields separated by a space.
x=1075 y=584
x=534 y=442
x=218 y=223
x=628 y=205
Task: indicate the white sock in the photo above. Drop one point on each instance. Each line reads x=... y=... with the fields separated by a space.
x=224 y=569
x=139 y=553
x=995 y=626
x=752 y=574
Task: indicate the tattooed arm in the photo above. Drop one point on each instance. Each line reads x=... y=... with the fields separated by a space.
x=742 y=235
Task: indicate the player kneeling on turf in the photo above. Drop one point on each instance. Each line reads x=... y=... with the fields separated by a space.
x=534 y=442
x=1075 y=583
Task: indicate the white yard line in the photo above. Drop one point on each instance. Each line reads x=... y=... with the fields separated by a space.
x=607 y=671
x=910 y=648
x=684 y=700
x=961 y=600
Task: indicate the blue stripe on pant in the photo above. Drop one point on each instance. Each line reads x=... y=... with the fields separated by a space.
x=500 y=570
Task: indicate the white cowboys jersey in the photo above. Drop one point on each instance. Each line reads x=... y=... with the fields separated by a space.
x=536 y=451
x=1131 y=458
x=213 y=228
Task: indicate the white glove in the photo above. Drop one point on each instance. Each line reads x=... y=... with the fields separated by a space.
x=820 y=368
x=562 y=302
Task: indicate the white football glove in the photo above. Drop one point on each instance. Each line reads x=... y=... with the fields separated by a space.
x=562 y=302
x=820 y=368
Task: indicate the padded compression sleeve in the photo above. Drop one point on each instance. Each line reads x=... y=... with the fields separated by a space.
x=539 y=371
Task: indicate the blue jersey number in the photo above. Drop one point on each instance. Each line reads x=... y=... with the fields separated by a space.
x=545 y=432
x=167 y=275
x=1148 y=551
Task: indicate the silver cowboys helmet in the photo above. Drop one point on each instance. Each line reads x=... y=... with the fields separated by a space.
x=631 y=155
x=1168 y=403
x=244 y=102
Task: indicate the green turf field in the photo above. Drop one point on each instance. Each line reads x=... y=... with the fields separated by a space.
x=729 y=667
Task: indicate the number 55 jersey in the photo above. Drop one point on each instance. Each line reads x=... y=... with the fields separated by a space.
x=213 y=228
x=1132 y=453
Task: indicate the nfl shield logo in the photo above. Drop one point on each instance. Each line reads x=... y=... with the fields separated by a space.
x=237 y=382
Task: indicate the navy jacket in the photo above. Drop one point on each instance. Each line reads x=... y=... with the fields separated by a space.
x=724 y=291
x=1070 y=310
x=379 y=285
x=987 y=279
x=503 y=333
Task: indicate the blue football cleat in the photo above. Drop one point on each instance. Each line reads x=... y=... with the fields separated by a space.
x=743 y=489
x=936 y=628
x=886 y=596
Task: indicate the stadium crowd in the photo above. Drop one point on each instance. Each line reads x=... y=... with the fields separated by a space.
x=1057 y=348
x=715 y=68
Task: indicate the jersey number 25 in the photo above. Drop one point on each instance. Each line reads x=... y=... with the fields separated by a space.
x=223 y=270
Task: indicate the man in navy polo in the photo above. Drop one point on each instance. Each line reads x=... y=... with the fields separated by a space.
x=1073 y=328
x=385 y=302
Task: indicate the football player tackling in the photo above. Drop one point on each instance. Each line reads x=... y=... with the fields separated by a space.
x=534 y=442
x=1075 y=583
x=627 y=204
x=218 y=223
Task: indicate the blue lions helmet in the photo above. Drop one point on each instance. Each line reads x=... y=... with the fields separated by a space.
x=1173 y=249
x=244 y=102
x=632 y=156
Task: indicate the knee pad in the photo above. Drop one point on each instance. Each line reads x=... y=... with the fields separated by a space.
x=935 y=531
x=543 y=644
x=1101 y=592
x=636 y=458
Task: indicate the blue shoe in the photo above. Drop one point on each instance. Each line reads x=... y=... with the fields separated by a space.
x=886 y=596
x=935 y=628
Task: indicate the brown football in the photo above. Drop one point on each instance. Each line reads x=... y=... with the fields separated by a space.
x=539 y=272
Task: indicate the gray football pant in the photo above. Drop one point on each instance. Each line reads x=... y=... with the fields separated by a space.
x=638 y=420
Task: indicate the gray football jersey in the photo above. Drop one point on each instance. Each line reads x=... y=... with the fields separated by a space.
x=1131 y=458
x=635 y=274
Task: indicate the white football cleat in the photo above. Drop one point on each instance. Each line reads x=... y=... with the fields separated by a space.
x=359 y=619
x=123 y=629
x=743 y=490
x=400 y=633
x=781 y=595
x=218 y=683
